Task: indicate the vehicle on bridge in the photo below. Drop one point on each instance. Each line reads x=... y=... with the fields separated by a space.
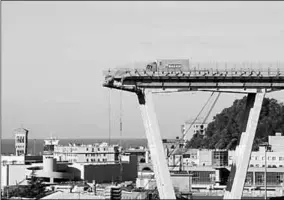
x=169 y=65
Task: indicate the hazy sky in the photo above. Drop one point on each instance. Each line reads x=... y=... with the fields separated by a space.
x=53 y=55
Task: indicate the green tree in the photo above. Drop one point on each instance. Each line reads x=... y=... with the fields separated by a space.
x=225 y=130
x=34 y=189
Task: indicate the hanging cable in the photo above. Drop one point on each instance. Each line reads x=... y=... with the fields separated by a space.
x=120 y=118
x=109 y=116
x=213 y=105
x=185 y=132
x=210 y=110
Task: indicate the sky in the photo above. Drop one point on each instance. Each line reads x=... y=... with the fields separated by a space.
x=54 y=53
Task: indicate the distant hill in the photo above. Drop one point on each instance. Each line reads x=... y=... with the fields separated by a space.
x=225 y=130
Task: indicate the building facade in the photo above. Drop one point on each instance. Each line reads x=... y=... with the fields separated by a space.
x=49 y=146
x=193 y=127
x=101 y=153
x=21 y=141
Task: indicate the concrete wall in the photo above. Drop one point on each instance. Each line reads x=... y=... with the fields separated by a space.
x=204 y=157
x=181 y=182
x=130 y=169
x=12 y=174
x=4 y=173
x=105 y=172
x=13 y=159
x=276 y=142
x=102 y=173
x=143 y=166
x=78 y=170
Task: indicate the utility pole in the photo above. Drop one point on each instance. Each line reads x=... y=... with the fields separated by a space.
x=265 y=145
x=265 y=172
x=34 y=147
x=109 y=116
x=120 y=153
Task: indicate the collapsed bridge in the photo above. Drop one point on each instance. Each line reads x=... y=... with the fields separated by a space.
x=182 y=77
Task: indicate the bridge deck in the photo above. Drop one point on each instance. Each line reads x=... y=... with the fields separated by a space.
x=195 y=79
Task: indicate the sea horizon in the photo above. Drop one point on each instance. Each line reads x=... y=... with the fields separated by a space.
x=35 y=146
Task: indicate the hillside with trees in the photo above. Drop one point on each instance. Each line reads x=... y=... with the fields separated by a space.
x=225 y=130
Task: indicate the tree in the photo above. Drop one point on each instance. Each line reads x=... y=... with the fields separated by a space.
x=34 y=189
x=225 y=130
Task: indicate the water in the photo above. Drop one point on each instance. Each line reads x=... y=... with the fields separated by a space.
x=8 y=145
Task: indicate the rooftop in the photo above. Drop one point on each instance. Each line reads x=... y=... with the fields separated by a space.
x=67 y=195
x=103 y=144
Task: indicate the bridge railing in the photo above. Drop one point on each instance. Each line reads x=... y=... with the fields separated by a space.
x=233 y=70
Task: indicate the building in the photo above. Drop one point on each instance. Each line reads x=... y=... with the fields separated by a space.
x=205 y=157
x=193 y=127
x=13 y=159
x=274 y=155
x=190 y=157
x=220 y=158
x=94 y=153
x=142 y=153
x=21 y=141
x=48 y=147
x=181 y=181
x=277 y=142
x=105 y=172
x=73 y=195
x=52 y=172
x=13 y=175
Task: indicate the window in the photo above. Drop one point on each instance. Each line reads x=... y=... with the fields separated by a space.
x=87 y=160
x=280 y=158
x=256 y=157
x=273 y=158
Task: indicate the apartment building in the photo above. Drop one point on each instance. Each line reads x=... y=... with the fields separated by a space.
x=101 y=153
x=194 y=126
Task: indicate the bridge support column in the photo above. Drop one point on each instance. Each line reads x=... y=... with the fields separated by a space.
x=162 y=174
x=240 y=165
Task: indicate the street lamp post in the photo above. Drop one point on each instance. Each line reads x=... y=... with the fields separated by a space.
x=265 y=145
x=265 y=171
